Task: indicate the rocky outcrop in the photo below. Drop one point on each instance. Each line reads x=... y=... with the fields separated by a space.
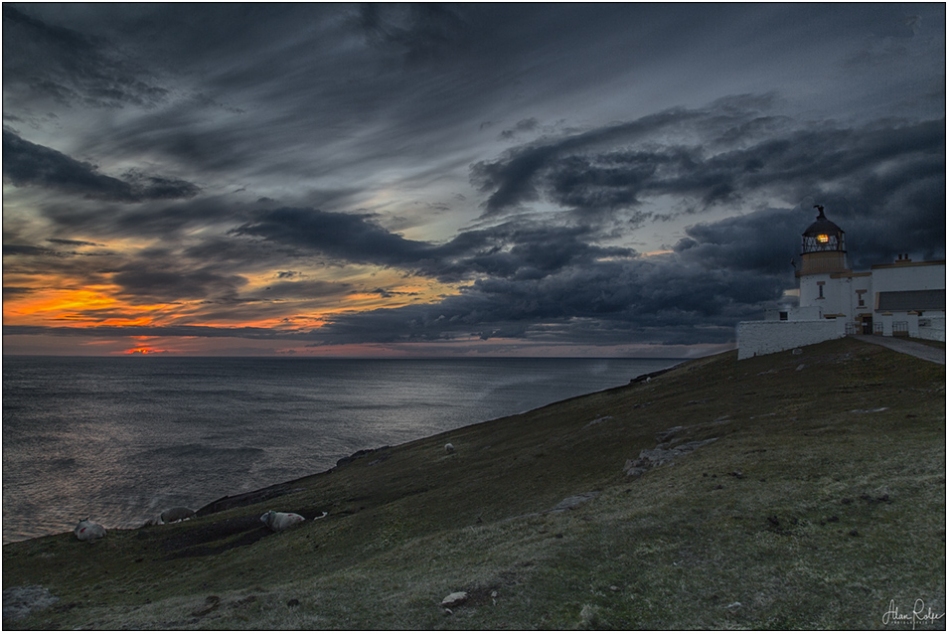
x=20 y=601
x=664 y=452
x=454 y=599
x=574 y=501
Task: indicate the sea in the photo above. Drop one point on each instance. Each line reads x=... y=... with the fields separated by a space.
x=119 y=440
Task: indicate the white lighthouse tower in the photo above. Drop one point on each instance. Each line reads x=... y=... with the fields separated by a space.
x=824 y=280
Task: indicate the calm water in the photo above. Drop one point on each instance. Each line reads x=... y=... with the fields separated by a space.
x=121 y=439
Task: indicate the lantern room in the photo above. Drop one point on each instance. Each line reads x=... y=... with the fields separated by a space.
x=822 y=247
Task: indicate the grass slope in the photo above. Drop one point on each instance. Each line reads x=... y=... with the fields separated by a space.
x=821 y=501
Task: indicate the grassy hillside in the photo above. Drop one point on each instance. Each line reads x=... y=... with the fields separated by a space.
x=820 y=501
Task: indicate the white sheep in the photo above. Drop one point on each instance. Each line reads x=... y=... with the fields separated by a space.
x=449 y=448
x=280 y=521
x=88 y=531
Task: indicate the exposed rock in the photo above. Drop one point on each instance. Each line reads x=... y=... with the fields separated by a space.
x=597 y=421
x=454 y=599
x=669 y=434
x=649 y=458
x=20 y=601
x=211 y=604
x=250 y=599
x=574 y=501
x=589 y=616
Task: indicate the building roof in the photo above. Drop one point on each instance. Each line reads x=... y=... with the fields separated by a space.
x=912 y=300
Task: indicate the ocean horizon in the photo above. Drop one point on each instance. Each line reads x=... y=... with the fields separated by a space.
x=120 y=439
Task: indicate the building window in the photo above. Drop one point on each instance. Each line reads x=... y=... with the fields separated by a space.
x=860 y=301
x=820 y=290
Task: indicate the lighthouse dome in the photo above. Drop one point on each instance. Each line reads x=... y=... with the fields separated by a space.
x=822 y=235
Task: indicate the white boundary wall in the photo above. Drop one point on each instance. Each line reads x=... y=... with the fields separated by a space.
x=765 y=337
x=936 y=331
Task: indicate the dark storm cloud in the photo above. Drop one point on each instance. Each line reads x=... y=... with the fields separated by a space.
x=521 y=249
x=26 y=164
x=10 y=292
x=70 y=67
x=763 y=242
x=349 y=237
x=25 y=249
x=512 y=249
x=668 y=300
x=152 y=276
x=739 y=154
x=516 y=179
x=305 y=289
x=721 y=273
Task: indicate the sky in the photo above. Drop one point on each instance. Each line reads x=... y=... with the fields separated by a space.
x=450 y=180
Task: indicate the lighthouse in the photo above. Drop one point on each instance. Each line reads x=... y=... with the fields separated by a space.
x=822 y=247
x=824 y=280
x=901 y=298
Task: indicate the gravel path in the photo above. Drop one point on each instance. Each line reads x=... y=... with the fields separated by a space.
x=920 y=350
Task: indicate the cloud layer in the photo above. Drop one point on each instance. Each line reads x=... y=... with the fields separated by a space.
x=329 y=175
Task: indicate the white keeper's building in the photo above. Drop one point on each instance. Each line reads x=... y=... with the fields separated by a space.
x=902 y=298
